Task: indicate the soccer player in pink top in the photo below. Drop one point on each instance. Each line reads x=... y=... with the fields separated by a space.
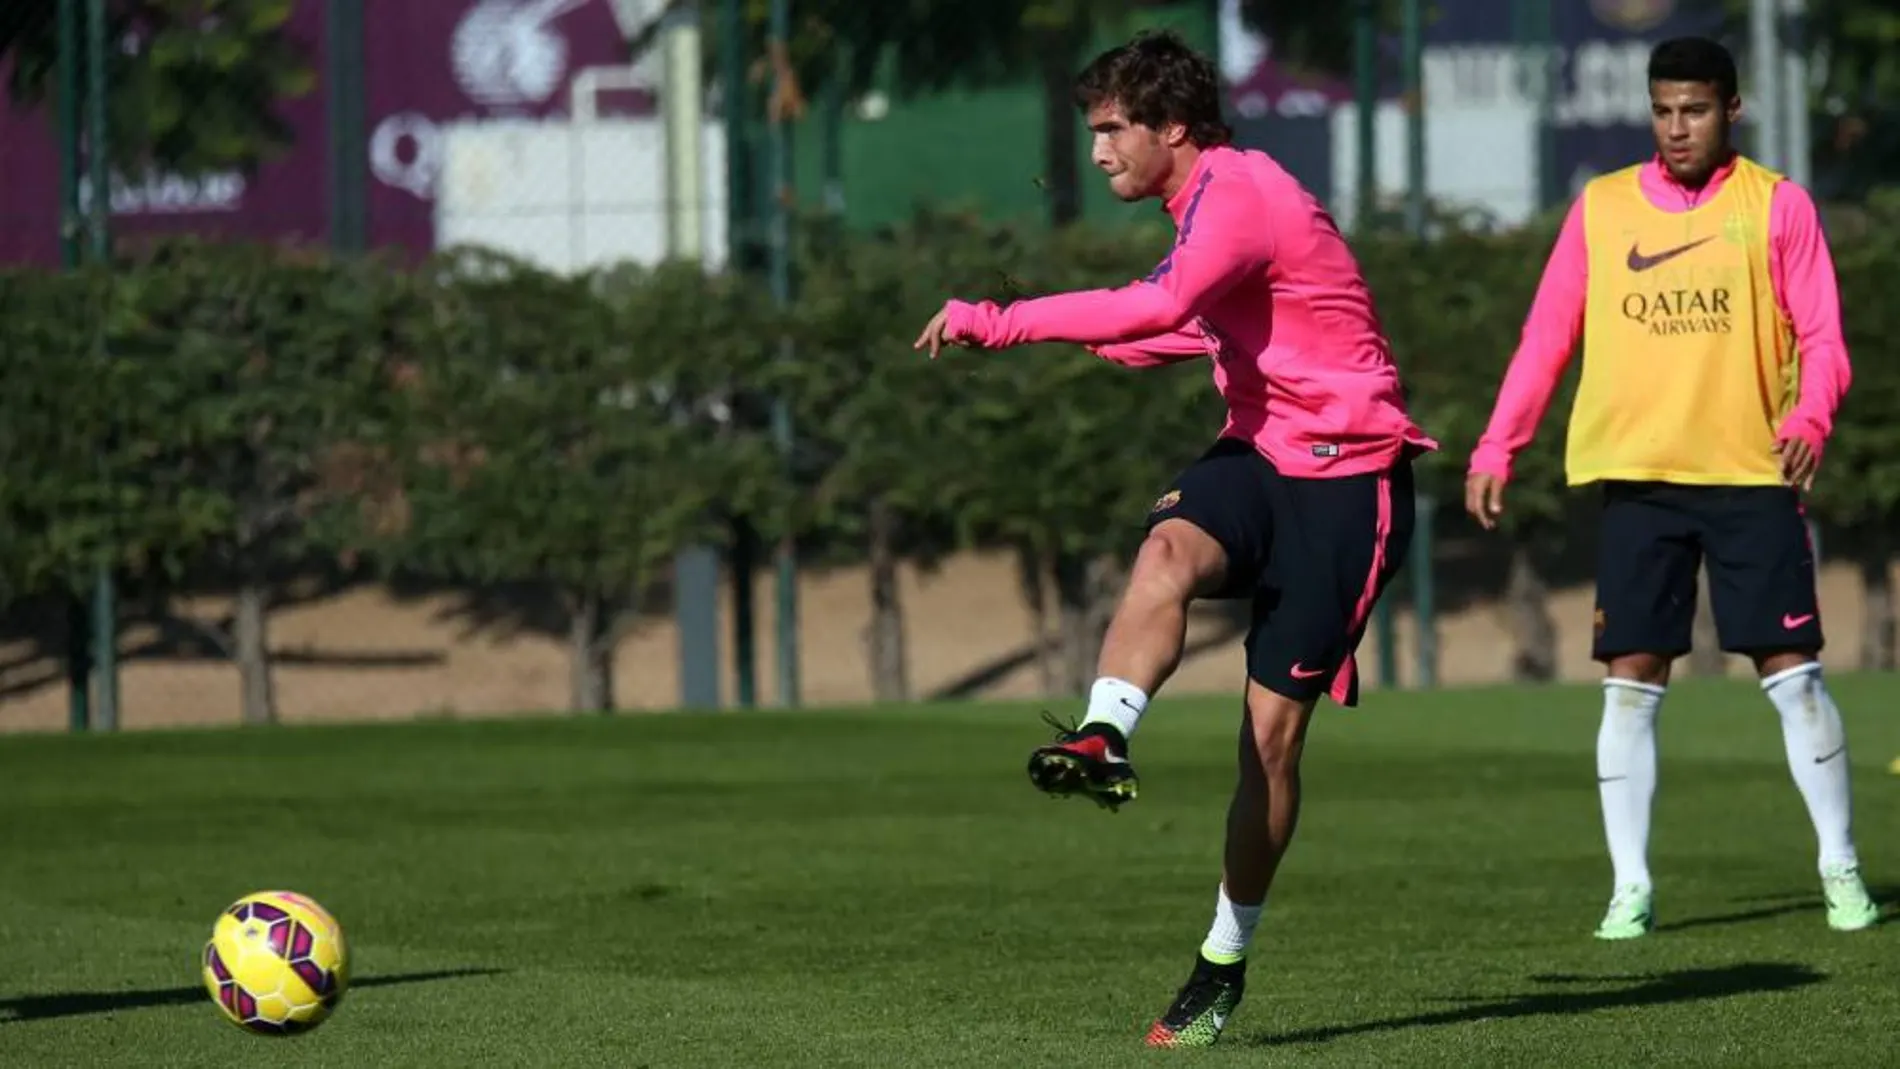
x=1304 y=502
x=1713 y=361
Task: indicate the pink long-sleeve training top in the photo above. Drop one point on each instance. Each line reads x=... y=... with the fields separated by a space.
x=1261 y=280
x=1800 y=269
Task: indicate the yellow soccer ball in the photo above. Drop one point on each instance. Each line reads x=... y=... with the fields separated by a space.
x=276 y=963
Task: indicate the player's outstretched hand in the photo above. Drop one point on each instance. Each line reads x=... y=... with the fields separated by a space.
x=1798 y=463
x=935 y=335
x=1484 y=498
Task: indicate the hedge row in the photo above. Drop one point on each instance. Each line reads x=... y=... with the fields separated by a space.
x=231 y=411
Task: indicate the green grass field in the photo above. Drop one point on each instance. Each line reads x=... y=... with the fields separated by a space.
x=883 y=888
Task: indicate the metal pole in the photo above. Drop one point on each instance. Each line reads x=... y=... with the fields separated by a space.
x=1365 y=111
x=741 y=221
x=1365 y=67
x=1415 y=192
x=695 y=568
x=1531 y=31
x=1797 y=141
x=779 y=154
x=833 y=135
x=71 y=226
x=71 y=251
x=1424 y=587
x=1550 y=184
x=349 y=123
x=105 y=629
x=1764 y=95
x=1424 y=591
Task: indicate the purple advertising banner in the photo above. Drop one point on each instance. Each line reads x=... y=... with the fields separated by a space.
x=427 y=63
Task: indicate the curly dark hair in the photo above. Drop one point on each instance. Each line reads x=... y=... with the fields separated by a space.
x=1694 y=59
x=1157 y=80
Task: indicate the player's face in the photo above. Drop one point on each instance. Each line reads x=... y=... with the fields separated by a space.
x=1138 y=160
x=1691 y=122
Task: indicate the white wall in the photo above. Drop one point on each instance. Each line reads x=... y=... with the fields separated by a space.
x=570 y=196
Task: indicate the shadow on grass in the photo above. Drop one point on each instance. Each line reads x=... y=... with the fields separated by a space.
x=86 y=1003
x=1687 y=985
x=1778 y=905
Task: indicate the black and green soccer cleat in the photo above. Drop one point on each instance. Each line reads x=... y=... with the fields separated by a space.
x=1091 y=759
x=1202 y=1007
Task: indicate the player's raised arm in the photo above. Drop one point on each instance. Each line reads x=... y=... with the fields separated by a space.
x=1802 y=270
x=1222 y=239
x=1544 y=350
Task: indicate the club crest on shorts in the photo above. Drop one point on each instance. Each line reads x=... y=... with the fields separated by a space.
x=1599 y=623
x=1167 y=501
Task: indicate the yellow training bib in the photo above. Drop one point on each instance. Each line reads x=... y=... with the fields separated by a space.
x=1688 y=362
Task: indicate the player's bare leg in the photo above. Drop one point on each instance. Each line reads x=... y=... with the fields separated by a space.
x=1633 y=690
x=1177 y=563
x=1816 y=743
x=1266 y=804
x=1260 y=824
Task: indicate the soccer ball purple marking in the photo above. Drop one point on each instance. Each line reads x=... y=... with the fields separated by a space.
x=280 y=935
x=313 y=976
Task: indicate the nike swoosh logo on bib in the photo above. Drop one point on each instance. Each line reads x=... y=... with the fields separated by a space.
x=1639 y=262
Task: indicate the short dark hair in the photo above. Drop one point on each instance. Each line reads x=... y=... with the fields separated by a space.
x=1694 y=59
x=1157 y=80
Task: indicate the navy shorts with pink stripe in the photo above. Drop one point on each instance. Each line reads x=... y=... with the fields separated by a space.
x=1753 y=541
x=1313 y=555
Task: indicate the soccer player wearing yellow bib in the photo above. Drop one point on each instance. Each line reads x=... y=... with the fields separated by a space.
x=1713 y=362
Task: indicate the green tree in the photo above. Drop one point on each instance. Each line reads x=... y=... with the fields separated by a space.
x=1453 y=305
x=193 y=85
x=1317 y=38
x=851 y=45
x=259 y=369
x=73 y=490
x=1853 y=49
x=1857 y=493
x=1852 y=46
x=1074 y=450
x=886 y=436
x=574 y=431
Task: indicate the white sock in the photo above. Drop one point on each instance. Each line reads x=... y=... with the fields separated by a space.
x=1817 y=755
x=1117 y=703
x=1232 y=930
x=1626 y=774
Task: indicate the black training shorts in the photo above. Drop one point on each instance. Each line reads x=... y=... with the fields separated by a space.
x=1313 y=554
x=1761 y=569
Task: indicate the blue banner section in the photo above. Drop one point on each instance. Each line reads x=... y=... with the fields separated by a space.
x=1488 y=58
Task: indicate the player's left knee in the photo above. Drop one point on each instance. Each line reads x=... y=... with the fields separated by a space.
x=1176 y=560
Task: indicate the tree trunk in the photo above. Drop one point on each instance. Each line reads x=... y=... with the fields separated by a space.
x=251 y=642
x=884 y=636
x=1707 y=658
x=1030 y=569
x=1061 y=165
x=591 y=652
x=1527 y=603
x=1878 y=624
x=1107 y=576
x=1080 y=624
